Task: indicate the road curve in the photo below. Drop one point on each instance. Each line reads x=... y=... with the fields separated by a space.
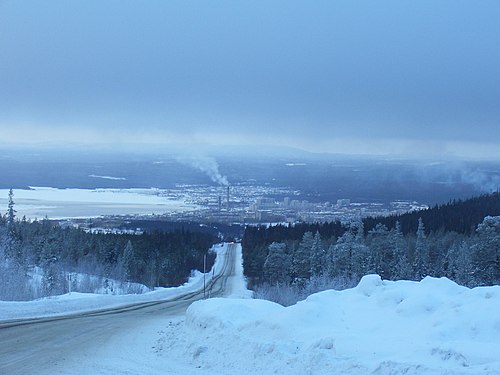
x=33 y=346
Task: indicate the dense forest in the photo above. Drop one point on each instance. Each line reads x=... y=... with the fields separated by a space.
x=61 y=257
x=459 y=240
x=460 y=216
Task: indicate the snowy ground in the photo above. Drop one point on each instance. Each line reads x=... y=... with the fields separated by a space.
x=380 y=327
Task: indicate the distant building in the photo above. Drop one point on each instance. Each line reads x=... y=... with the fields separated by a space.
x=265 y=204
x=343 y=203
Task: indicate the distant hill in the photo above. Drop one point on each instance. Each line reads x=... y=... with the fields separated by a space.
x=461 y=216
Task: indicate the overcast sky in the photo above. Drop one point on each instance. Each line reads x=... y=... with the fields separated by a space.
x=421 y=77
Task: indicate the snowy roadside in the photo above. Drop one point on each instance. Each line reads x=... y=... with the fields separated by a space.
x=83 y=302
x=383 y=327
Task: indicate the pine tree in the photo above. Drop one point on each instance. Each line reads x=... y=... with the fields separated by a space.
x=301 y=262
x=128 y=260
x=486 y=252
x=52 y=280
x=421 y=261
x=318 y=256
x=348 y=256
x=402 y=268
x=380 y=259
x=458 y=263
x=11 y=212
x=358 y=229
x=338 y=254
x=277 y=264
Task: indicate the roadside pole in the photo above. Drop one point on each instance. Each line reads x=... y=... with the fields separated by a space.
x=204 y=275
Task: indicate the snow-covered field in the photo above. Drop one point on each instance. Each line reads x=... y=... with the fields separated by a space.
x=380 y=327
x=38 y=202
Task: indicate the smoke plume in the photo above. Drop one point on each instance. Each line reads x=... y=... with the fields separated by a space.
x=207 y=165
x=482 y=181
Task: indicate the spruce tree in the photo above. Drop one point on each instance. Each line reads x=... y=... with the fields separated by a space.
x=128 y=260
x=349 y=255
x=486 y=252
x=380 y=259
x=301 y=262
x=277 y=264
x=11 y=212
x=318 y=256
x=458 y=263
x=399 y=246
x=53 y=282
x=421 y=261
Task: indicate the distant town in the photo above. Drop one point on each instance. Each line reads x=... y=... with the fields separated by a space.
x=248 y=204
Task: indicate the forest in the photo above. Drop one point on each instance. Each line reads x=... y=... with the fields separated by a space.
x=459 y=240
x=40 y=258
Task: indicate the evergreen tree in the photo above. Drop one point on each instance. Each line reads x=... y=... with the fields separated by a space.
x=13 y=248
x=357 y=227
x=381 y=257
x=154 y=266
x=486 y=252
x=421 y=258
x=399 y=246
x=53 y=282
x=301 y=262
x=318 y=256
x=277 y=264
x=359 y=256
x=11 y=212
x=128 y=260
x=348 y=256
x=458 y=265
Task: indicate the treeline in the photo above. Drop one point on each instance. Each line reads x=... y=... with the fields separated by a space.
x=256 y=240
x=42 y=249
x=461 y=216
x=228 y=231
x=463 y=245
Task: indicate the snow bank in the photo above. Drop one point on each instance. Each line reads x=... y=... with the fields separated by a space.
x=430 y=327
x=79 y=302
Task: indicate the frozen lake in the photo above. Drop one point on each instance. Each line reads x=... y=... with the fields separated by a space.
x=39 y=202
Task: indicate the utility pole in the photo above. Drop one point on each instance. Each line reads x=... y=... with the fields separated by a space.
x=212 y=282
x=204 y=275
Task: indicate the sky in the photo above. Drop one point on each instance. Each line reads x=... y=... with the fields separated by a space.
x=343 y=76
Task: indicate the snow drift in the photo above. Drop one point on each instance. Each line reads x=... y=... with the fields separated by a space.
x=430 y=327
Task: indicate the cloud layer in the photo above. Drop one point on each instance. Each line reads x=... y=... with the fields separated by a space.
x=316 y=75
